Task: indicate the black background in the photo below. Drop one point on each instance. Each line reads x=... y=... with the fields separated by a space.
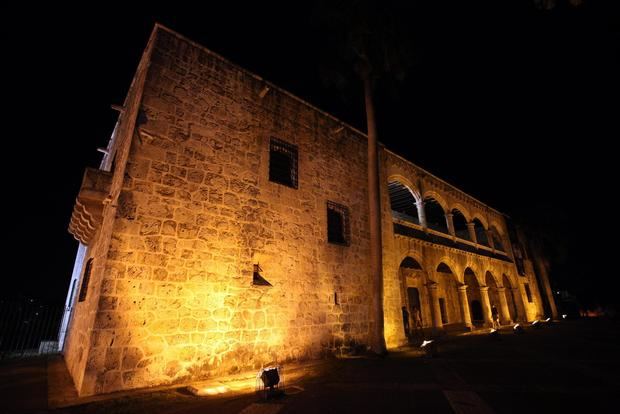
x=515 y=105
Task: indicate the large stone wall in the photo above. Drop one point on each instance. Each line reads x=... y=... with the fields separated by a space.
x=197 y=212
x=192 y=211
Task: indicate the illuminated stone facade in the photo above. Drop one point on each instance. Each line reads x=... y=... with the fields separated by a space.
x=204 y=264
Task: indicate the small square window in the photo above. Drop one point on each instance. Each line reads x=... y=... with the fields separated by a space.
x=283 y=163
x=337 y=223
x=528 y=292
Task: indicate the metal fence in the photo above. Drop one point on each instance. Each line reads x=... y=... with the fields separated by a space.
x=28 y=328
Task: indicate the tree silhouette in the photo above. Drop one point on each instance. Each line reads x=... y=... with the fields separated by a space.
x=367 y=42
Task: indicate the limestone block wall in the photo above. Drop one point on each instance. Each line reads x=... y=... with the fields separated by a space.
x=429 y=255
x=82 y=350
x=197 y=211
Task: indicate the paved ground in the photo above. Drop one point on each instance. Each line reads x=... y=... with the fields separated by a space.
x=570 y=366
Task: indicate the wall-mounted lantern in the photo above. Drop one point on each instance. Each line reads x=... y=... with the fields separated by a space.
x=257 y=278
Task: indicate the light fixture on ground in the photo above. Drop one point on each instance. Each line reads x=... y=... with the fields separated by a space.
x=269 y=381
x=548 y=320
x=429 y=347
x=536 y=324
x=494 y=333
x=518 y=329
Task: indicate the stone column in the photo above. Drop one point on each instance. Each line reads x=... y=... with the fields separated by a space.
x=450 y=223
x=421 y=213
x=472 y=232
x=465 y=305
x=516 y=295
x=432 y=290
x=504 y=312
x=486 y=305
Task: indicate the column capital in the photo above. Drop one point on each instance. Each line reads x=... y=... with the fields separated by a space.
x=432 y=285
x=462 y=288
x=484 y=288
x=470 y=224
x=449 y=214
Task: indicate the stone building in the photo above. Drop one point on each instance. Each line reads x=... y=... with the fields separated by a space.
x=226 y=228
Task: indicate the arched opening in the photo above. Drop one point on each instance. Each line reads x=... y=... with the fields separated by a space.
x=481 y=233
x=415 y=306
x=460 y=224
x=497 y=240
x=410 y=263
x=474 y=298
x=476 y=312
x=510 y=298
x=435 y=215
x=493 y=293
x=402 y=202
x=447 y=292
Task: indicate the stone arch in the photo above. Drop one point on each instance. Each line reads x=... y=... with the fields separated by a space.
x=437 y=197
x=435 y=211
x=474 y=297
x=498 y=240
x=451 y=264
x=509 y=291
x=413 y=282
x=403 y=201
x=464 y=211
x=498 y=227
x=459 y=221
x=477 y=216
x=447 y=292
x=407 y=183
x=481 y=232
x=491 y=282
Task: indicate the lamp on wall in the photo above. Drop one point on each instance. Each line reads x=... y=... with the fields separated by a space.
x=257 y=278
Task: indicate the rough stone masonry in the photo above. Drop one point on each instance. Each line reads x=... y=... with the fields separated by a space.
x=187 y=212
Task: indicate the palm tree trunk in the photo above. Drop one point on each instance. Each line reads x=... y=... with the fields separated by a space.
x=377 y=340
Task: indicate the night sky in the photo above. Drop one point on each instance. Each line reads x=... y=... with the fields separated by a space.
x=515 y=105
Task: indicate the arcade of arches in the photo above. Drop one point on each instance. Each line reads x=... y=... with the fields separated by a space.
x=448 y=262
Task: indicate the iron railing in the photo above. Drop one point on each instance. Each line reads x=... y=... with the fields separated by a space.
x=28 y=328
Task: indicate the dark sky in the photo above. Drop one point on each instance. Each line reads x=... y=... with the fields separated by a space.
x=515 y=105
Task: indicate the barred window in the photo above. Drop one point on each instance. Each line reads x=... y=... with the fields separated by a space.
x=85 y=280
x=283 y=163
x=337 y=223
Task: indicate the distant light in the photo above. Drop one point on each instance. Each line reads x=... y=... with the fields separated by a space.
x=564 y=316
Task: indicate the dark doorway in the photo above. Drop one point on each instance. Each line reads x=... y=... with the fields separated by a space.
x=476 y=311
x=442 y=308
x=414 y=298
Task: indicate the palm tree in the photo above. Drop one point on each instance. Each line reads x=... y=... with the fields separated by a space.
x=369 y=41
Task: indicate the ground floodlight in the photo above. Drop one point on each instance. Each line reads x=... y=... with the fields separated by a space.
x=518 y=329
x=494 y=333
x=269 y=381
x=429 y=347
x=536 y=324
x=548 y=319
